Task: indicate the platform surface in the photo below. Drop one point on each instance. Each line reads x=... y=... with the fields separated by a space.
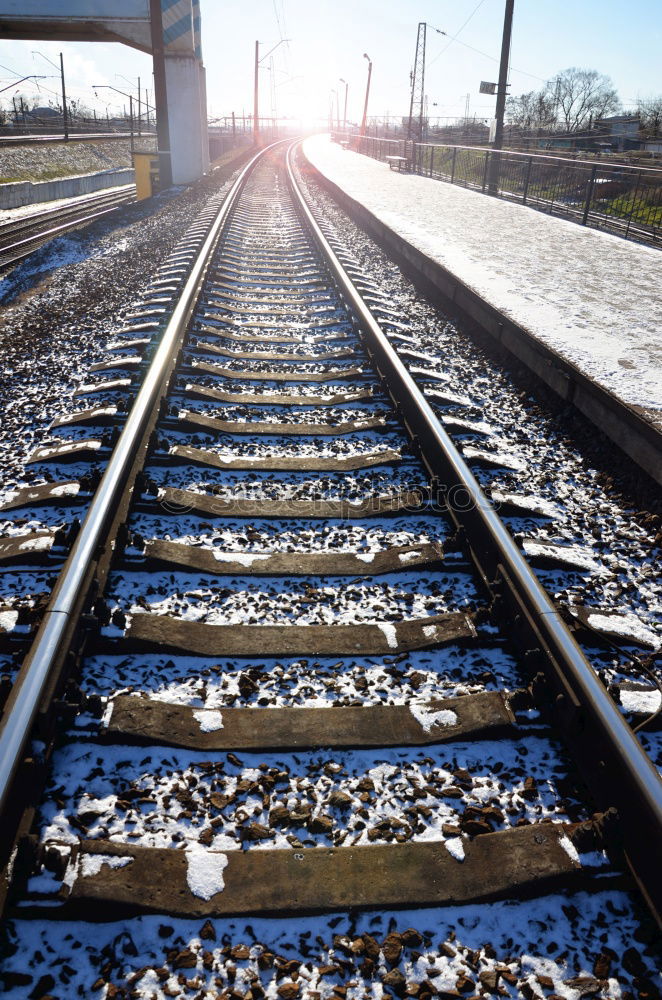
x=594 y=298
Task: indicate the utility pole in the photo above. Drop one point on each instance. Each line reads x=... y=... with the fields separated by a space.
x=256 y=120
x=344 y=120
x=65 y=115
x=502 y=87
x=139 y=108
x=256 y=127
x=418 y=83
x=367 y=94
x=160 y=95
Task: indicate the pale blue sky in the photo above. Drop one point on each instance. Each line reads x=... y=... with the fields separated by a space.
x=623 y=40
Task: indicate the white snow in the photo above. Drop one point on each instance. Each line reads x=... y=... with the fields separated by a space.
x=626 y=625
x=37 y=544
x=569 y=848
x=91 y=864
x=243 y=558
x=408 y=556
x=641 y=702
x=587 y=294
x=429 y=718
x=8 y=620
x=390 y=633
x=108 y=712
x=65 y=490
x=205 y=871
x=210 y=721
x=455 y=848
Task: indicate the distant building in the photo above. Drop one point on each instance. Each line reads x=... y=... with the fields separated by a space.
x=618 y=133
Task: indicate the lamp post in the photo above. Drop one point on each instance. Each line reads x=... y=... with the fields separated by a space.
x=367 y=94
x=256 y=125
x=344 y=117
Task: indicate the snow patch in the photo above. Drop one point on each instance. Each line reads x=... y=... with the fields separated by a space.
x=569 y=848
x=406 y=557
x=640 y=702
x=455 y=848
x=243 y=558
x=390 y=633
x=8 y=620
x=65 y=490
x=427 y=718
x=205 y=871
x=91 y=864
x=626 y=625
x=209 y=720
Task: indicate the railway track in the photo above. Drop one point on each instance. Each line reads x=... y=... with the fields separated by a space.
x=276 y=523
x=21 y=237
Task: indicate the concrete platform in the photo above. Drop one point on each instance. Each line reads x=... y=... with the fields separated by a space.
x=579 y=307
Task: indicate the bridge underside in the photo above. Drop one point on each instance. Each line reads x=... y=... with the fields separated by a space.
x=137 y=35
x=181 y=101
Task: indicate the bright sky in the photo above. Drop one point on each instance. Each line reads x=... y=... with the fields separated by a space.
x=329 y=37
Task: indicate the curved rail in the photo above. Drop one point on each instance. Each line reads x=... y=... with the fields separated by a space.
x=23 y=703
x=592 y=720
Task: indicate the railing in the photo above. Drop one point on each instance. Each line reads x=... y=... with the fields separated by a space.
x=626 y=201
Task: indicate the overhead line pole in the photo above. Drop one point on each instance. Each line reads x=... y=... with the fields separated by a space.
x=65 y=115
x=502 y=87
x=256 y=127
x=502 y=93
x=367 y=94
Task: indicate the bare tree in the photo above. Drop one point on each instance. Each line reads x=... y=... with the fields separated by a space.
x=532 y=110
x=580 y=96
x=650 y=116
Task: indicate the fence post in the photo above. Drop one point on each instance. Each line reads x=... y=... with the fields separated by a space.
x=453 y=165
x=487 y=163
x=527 y=179
x=431 y=159
x=589 y=194
x=632 y=207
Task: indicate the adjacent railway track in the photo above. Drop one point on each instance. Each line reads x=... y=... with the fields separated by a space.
x=21 y=237
x=279 y=509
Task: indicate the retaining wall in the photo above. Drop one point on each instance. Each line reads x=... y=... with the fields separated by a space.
x=18 y=193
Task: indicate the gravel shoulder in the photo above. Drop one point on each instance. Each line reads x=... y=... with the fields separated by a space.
x=58 y=308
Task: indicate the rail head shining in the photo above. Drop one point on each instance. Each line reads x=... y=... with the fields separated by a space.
x=25 y=697
x=642 y=779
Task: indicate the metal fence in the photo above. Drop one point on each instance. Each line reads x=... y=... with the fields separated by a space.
x=623 y=200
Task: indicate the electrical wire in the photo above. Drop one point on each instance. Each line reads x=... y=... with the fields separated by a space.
x=453 y=38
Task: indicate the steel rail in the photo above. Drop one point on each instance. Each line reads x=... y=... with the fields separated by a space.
x=24 y=700
x=47 y=214
x=10 y=253
x=581 y=697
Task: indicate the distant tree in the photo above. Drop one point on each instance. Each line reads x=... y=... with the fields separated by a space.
x=532 y=110
x=650 y=116
x=580 y=96
x=571 y=100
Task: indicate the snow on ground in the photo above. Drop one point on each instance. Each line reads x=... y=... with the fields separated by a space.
x=589 y=295
x=36 y=208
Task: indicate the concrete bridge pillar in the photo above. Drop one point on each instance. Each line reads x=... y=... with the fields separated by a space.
x=187 y=117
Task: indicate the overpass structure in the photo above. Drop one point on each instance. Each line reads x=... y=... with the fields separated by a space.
x=169 y=30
